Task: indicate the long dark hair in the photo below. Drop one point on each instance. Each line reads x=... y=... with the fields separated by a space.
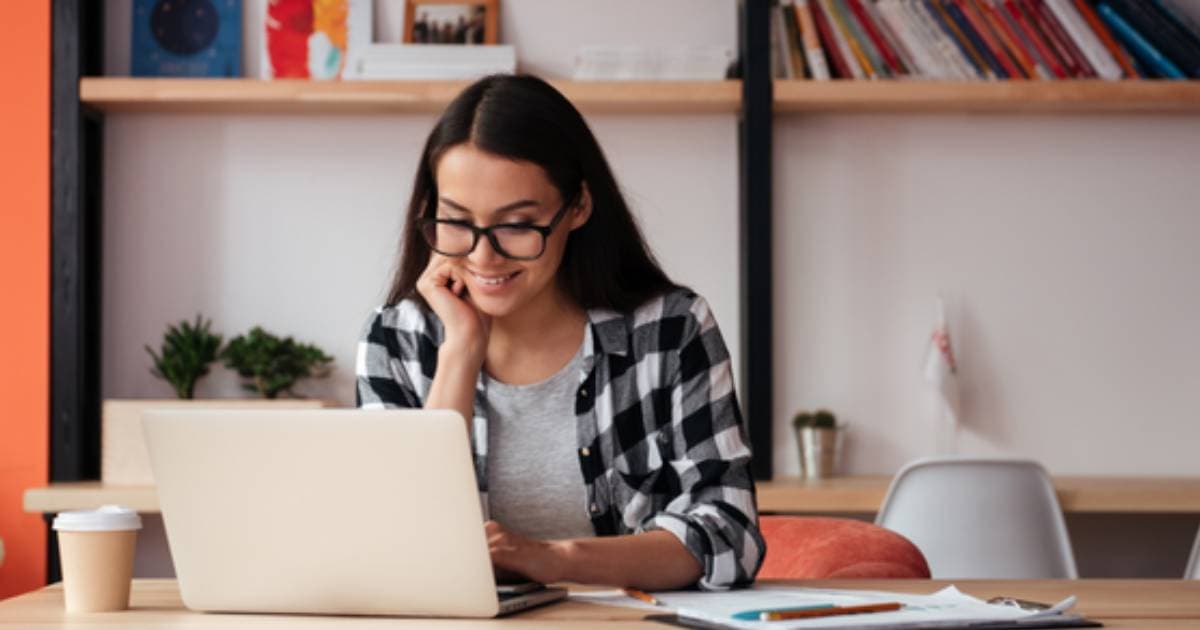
x=606 y=263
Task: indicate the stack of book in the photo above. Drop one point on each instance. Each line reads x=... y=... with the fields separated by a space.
x=433 y=61
x=986 y=39
x=652 y=63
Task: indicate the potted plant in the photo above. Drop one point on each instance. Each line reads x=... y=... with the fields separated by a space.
x=270 y=366
x=819 y=438
x=184 y=357
x=186 y=352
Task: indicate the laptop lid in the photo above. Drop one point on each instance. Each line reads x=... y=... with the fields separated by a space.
x=322 y=511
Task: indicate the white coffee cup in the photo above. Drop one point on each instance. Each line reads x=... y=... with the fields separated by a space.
x=96 y=550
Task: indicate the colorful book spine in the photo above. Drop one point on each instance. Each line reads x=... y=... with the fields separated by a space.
x=1156 y=27
x=877 y=40
x=1010 y=39
x=1056 y=46
x=973 y=38
x=946 y=23
x=1065 y=43
x=1028 y=45
x=867 y=56
x=990 y=39
x=1140 y=46
x=890 y=36
x=1035 y=39
x=837 y=54
x=1098 y=56
x=817 y=65
x=898 y=22
x=795 y=46
x=782 y=66
x=1102 y=32
x=943 y=45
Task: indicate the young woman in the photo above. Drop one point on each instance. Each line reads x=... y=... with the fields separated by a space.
x=607 y=439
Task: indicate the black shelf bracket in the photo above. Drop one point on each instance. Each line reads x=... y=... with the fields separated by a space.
x=754 y=246
x=75 y=250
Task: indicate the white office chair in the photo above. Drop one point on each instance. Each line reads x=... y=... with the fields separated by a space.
x=981 y=518
x=1193 y=567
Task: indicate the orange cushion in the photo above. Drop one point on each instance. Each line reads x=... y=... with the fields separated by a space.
x=814 y=547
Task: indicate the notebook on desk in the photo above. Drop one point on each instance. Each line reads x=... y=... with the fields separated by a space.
x=326 y=512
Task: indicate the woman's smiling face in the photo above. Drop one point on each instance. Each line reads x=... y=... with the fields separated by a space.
x=483 y=189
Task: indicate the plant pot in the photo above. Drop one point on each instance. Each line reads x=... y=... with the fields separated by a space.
x=123 y=456
x=820 y=451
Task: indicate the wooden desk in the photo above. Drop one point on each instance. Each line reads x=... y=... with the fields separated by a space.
x=794 y=496
x=1076 y=494
x=156 y=604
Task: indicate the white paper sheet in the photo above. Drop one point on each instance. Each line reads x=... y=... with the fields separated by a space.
x=947 y=607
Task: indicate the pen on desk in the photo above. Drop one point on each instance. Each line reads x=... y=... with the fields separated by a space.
x=780 y=615
x=642 y=595
x=757 y=615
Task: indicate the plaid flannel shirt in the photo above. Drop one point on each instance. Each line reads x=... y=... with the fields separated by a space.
x=660 y=439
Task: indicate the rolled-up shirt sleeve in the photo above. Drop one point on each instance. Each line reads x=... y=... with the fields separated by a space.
x=386 y=366
x=715 y=513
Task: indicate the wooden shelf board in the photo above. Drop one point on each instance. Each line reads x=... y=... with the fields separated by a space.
x=859 y=494
x=84 y=495
x=1075 y=494
x=122 y=94
x=1078 y=96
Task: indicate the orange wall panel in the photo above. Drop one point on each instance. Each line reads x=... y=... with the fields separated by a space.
x=25 y=287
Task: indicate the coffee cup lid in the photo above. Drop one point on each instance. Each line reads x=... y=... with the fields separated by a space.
x=106 y=518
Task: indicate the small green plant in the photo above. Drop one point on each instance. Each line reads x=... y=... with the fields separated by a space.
x=821 y=419
x=186 y=352
x=270 y=365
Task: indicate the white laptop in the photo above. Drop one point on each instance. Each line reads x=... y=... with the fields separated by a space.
x=327 y=512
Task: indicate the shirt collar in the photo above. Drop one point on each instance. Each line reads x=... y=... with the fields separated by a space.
x=609 y=332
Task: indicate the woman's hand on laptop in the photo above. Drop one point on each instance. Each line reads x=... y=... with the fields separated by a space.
x=536 y=560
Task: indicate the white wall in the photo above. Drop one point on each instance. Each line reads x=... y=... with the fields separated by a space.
x=1066 y=247
x=292 y=221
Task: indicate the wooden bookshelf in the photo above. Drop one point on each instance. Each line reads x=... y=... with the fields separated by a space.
x=1077 y=96
x=864 y=494
x=122 y=94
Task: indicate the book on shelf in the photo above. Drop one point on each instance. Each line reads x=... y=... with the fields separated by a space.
x=652 y=63
x=186 y=38
x=811 y=40
x=986 y=39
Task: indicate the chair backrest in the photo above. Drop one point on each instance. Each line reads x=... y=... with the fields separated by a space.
x=824 y=548
x=981 y=518
x=1193 y=566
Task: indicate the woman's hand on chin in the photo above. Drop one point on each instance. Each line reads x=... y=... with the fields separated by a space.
x=445 y=290
x=515 y=555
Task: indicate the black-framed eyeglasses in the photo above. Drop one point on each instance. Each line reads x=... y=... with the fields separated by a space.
x=518 y=241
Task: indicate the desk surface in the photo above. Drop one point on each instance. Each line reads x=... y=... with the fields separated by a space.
x=156 y=604
x=840 y=494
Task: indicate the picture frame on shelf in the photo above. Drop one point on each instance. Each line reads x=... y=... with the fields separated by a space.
x=452 y=22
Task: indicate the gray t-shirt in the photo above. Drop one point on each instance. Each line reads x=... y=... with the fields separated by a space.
x=535 y=487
